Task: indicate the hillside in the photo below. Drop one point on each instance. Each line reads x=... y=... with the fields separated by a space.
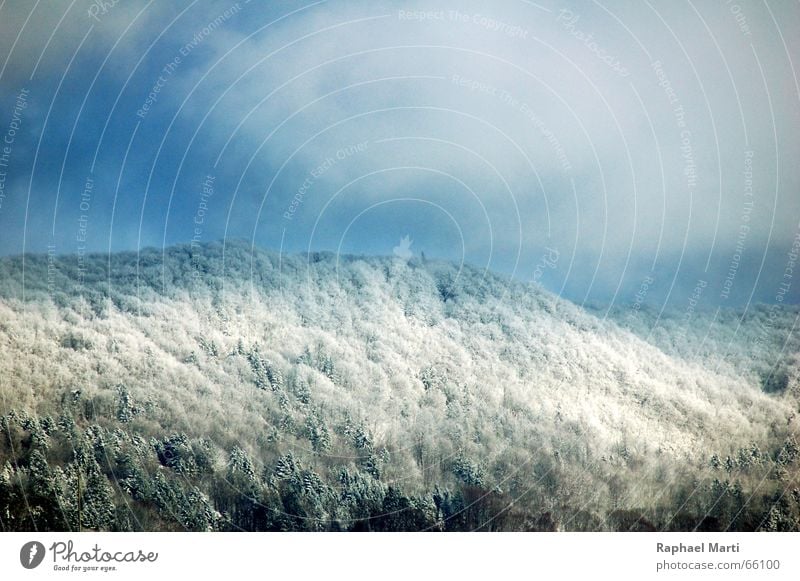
x=224 y=388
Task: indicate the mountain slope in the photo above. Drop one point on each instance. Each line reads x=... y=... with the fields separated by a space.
x=346 y=392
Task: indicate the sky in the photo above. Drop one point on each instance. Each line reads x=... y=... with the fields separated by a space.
x=614 y=152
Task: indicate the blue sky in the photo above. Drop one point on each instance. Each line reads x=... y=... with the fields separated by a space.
x=634 y=142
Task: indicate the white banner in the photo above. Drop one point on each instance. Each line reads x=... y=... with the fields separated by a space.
x=331 y=556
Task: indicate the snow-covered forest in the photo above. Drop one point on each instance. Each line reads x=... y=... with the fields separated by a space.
x=225 y=388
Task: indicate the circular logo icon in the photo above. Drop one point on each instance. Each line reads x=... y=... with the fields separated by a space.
x=31 y=554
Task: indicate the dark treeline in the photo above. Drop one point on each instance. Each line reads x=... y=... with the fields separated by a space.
x=69 y=478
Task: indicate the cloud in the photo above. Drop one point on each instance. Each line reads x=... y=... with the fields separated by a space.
x=619 y=136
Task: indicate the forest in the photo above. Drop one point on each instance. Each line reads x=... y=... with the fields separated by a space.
x=221 y=387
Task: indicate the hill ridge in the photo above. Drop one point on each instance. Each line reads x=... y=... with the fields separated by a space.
x=401 y=372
